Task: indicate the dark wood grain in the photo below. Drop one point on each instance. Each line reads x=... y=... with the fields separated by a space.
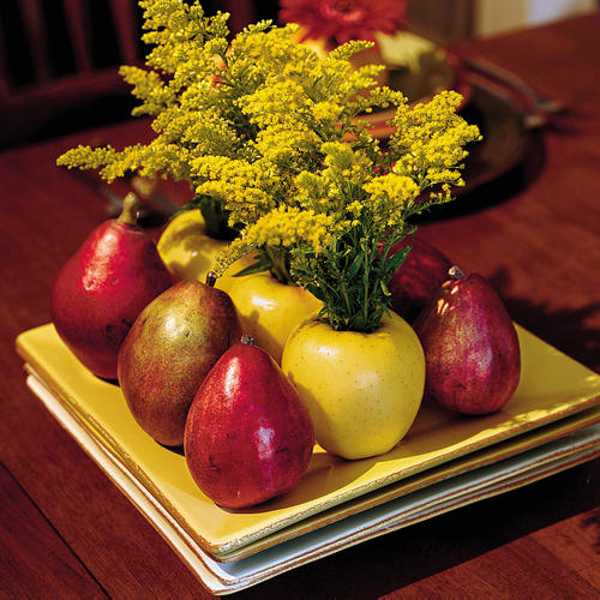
x=535 y=233
x=34 y=560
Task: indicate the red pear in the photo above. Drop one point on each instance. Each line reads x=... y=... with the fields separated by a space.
x=471 y=347
x=418 y=278
x=170 y=349
x=104 y=286
x=248 y=438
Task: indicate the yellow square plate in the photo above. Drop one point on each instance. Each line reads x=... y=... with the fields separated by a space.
x=581 y=445
x=553 y=386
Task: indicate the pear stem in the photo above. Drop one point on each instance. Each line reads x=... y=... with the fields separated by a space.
x=211 y=279
x=131 y=205
x=247 y=340
x=456 y=273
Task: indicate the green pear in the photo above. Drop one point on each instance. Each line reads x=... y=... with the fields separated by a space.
x=168 y=352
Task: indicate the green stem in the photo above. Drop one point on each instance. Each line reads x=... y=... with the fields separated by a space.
x=365 y=303
x=279 y=269
x=344 y=290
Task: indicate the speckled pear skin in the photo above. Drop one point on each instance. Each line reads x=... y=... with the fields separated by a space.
x=170 y=349
x=248 y=438
x=418 y=278
x=101 y=290
x=471 y=348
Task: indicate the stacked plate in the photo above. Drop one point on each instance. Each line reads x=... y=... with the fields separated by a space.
x=445 y=462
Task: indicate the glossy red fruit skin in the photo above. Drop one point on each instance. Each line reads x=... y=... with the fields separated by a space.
x=102 y=288
x=248 y=438
x=471 y=347
x=418 y=278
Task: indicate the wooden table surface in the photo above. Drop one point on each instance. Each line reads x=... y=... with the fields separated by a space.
x=66 y=531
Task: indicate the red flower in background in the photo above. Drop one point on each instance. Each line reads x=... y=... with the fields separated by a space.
x=344 y=19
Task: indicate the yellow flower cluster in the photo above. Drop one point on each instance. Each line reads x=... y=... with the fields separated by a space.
x=345 y=194
x=184 y=41
x=286 y=227
x=339 y=183
x=429 y=143
x=389 y=197
x=246 y=190
x=268 y=130
x=262 y=96
x=192 y=87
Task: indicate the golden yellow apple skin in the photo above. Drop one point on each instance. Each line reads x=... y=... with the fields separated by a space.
x=186 y=249
x=363 y=390
x=269 y=310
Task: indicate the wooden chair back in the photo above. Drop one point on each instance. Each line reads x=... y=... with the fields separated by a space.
x=25 y=106
x=47 y=95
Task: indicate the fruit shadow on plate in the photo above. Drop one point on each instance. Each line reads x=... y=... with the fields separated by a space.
x=173 y=449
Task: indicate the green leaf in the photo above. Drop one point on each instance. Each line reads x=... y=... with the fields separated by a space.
x=355 y=266
x=192 y=205
x=216 y=218
x=260 y=266
x=315 y=291
x=397 y=259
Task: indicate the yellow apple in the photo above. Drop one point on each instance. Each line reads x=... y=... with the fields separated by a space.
x=268 y=309
x=186 y=249
x=363 y=390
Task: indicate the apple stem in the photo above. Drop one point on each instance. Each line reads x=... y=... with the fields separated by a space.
x=131 y=205
x=211 y=279
x=456 y=273
x=247 y=340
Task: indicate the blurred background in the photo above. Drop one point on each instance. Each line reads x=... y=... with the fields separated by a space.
x=59 y=58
